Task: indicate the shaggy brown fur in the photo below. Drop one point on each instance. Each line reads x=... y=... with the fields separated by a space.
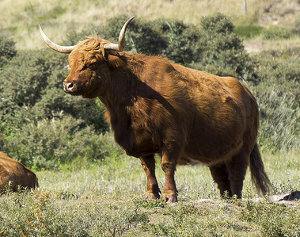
x=14 y=176
x=187 y=116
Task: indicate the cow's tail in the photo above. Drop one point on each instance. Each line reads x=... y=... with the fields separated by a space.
x=258 y=174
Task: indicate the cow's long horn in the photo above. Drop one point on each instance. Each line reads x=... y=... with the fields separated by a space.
x=56 y=47
x=121 y=45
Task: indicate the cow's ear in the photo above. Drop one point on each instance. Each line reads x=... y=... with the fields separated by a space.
x=115 y=61
x=104 y=53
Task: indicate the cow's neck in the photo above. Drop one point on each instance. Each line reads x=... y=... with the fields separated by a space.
x=120 y=91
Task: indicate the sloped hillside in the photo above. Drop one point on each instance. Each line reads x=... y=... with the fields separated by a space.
x=21 y=17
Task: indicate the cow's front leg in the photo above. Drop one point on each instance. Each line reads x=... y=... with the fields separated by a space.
x=148 y=164
x=168 y=165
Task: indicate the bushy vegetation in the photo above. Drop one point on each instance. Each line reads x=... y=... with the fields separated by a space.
x=7 y=49
x=45 y=128
x=41 y=125
x=50 y=143
x=212 y=46
x=279 y=99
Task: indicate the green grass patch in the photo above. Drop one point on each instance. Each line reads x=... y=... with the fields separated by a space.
x=275 y=33
x=248 y=31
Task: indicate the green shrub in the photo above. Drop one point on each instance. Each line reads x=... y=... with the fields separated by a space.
x=214 y=47
x=279 y=100
x=24 y=78
x=34 y=79
x=13 y=117
x=7 y=48
x=40 y=124
x=279 y=117
x=50 y=143
x=141 y=37
x=283 y=65
x=181 y=41
x=55 y=103
x=223 y=52
x=217 y=24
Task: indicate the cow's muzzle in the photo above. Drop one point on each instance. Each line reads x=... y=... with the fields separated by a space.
x=71 y=87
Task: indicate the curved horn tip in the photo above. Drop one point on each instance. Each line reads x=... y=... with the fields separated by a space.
x=54 y=46
x=128 y=21
x=122 y=34
x=131 y=18
x=121 y=44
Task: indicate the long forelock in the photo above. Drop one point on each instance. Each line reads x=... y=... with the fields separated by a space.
x=91 y=43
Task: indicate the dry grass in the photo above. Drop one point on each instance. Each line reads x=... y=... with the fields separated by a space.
x=106 y=200
x=258 y=44
x=22 y=17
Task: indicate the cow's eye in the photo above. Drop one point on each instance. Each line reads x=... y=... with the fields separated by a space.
x=93 y=66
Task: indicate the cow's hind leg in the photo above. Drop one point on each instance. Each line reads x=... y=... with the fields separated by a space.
x=236 y=168
x=220 y=175
x=148 y=164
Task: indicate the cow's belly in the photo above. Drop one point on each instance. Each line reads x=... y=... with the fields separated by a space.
x=211 y=158
x=138 y=143
x=211 y=150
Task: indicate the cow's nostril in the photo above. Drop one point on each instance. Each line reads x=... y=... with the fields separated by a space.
x=70 y=86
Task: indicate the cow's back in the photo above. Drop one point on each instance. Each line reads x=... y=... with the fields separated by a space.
x=14 y=175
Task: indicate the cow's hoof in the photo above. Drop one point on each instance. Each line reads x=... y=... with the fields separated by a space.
x=171 y=198
x=152 y=196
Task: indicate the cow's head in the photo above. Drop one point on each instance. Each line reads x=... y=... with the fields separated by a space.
x=88 y=63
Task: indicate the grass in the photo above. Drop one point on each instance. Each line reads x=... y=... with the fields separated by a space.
x=259 y=44
x=248 y=31
x=107 y=200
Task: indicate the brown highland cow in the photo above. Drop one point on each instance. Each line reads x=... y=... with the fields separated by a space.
x=14 y=176
x=156 y=106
